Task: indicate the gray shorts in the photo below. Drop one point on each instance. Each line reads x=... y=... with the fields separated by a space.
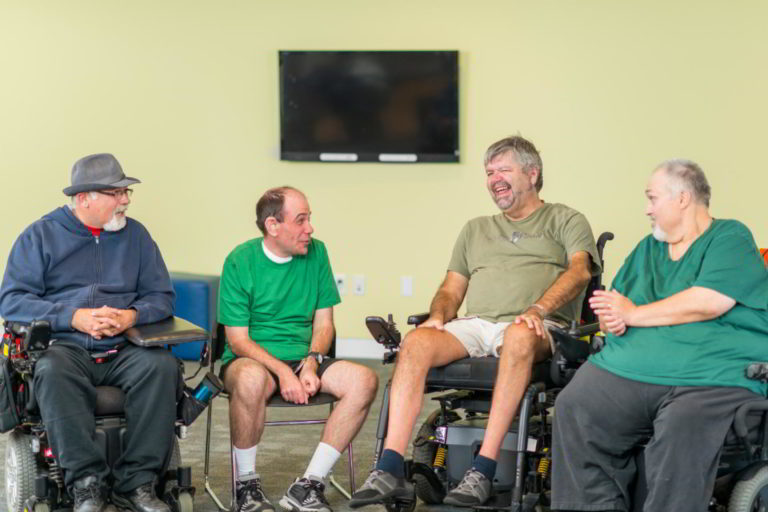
x=483 y=338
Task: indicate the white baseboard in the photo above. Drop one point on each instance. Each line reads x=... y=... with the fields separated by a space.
x=352 y=348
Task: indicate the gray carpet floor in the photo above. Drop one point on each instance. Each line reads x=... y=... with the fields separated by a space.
x=283 y=452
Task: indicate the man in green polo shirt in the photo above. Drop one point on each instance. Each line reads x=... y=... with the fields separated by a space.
x=520 y=270
x=687 y=313
x=276 y=300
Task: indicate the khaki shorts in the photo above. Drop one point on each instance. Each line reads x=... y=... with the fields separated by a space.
x=483 y=338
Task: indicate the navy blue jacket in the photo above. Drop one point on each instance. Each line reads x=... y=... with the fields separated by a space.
x=57 y=266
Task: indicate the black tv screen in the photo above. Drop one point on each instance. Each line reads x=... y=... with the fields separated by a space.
x=369 y=106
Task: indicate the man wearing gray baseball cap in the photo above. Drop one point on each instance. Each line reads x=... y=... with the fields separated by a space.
x=92 y=273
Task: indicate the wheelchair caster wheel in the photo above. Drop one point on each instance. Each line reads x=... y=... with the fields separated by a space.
x=180 y=499
x=185 y=502
x=32 y=505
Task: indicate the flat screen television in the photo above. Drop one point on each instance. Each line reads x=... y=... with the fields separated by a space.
x=369 y=106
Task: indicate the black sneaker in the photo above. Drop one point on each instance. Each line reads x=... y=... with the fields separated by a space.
x=250 y=496
x=305 y=495
x=474 y=489
x=141 y=499
x=381 y=486
x=89 y=494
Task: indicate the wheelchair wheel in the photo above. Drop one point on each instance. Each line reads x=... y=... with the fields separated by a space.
x=750 y=495
x=185 y=503
x=425 y=452
x=165 y=484
x=20 y=471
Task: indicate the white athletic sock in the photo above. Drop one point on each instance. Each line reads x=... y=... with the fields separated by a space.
x=245 y=460
x=322 y=462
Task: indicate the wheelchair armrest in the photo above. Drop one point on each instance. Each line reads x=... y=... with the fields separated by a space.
x=740 y=426
x=171 y=331
x=569 y=344
x=418 y=318
x=758 y=371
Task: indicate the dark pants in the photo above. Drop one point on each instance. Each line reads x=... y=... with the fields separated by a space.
x=601 y=422
x=65 y=387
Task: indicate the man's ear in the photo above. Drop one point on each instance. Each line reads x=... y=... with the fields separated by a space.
x=684 y=199
x=533 y=175
x=271 y=225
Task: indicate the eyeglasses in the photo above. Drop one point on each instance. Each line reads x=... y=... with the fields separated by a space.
x=126 y=192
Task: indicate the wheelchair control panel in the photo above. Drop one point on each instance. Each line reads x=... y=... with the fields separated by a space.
x=23 y=344
x=385 y=333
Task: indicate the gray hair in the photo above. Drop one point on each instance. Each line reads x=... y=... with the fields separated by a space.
x=271 y=205
x=525 y=154
x=73 y=198
x=689 y=176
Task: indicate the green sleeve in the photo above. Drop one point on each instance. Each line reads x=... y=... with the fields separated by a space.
x=733 y=267
x=234 y=301
x=627 y=272
x=328 y=294
x=577 y=237
x=458 y=261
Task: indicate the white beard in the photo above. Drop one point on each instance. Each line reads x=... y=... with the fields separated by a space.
x=658 y=233
x=116 y=223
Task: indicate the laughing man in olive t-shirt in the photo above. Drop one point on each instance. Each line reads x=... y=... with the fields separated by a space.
x=276 y=300
x=520 y=271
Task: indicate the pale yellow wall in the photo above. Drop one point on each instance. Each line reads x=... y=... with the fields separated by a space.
x=185 y=94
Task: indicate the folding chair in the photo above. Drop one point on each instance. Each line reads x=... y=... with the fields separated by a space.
x=217 y=348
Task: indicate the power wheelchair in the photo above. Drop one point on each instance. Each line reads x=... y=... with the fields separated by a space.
x=447 y=442
x=33 y=480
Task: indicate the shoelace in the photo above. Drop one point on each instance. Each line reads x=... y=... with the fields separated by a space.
x=469 y=482
x=93 y=491
x=315 y=492
x=145 y=490
x=368 y=484
x=252 y=490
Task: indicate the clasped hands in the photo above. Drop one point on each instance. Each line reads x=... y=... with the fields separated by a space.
x=299 y=388
x=614 y=311
x=104 y=321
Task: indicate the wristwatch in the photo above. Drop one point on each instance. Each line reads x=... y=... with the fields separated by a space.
x=317 y=356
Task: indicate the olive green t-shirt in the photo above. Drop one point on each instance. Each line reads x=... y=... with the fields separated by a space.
x=510 y=264
x=711 y=353
x=276 y=301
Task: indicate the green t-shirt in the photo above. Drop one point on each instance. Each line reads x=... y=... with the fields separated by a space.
x=510 y=264
x=276 y=301
x=712 y=353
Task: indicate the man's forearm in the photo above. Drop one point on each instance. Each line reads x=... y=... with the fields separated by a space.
x=444 y=306
x=695 y=304
x=322 y=338
x=26 y=307
x=565 y=288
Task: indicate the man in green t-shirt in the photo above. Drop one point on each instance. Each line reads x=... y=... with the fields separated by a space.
x=276 y=300
x=519 y=271
x=685 y=317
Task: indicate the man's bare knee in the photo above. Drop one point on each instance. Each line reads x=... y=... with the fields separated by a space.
x=369 y=385
x=418 y=347
x=521 y=342
x=248 y=382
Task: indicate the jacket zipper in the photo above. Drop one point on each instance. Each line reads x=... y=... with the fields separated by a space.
x=97 y=265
